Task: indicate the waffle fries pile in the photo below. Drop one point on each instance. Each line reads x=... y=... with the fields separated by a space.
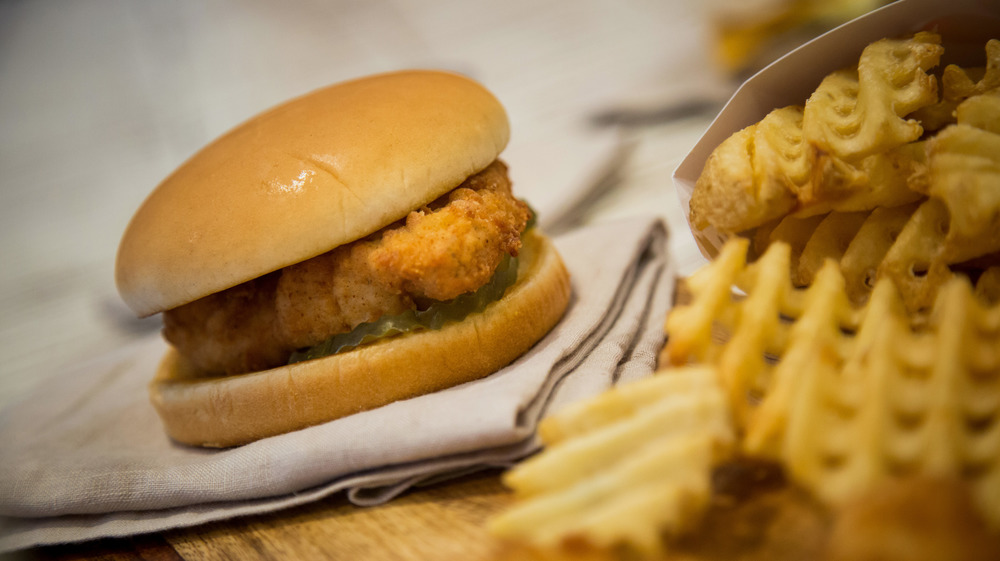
x=877 y=170
x=847 y=336
x=846 y=398
x=625 y=468
x=847 y=401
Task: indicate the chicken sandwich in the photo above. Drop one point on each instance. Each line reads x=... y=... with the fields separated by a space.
x=350 y=248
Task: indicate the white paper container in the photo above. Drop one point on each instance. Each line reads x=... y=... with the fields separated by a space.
x=964 y=24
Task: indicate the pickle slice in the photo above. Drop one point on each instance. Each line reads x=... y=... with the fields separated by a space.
x=437 y=315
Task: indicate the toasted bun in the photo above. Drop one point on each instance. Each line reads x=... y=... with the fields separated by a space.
x=231 y=410
x=303 y=178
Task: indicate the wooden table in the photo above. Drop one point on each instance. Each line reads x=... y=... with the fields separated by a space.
x=442 y=522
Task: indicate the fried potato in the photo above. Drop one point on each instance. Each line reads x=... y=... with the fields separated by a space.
x=965 y=176
x=959 y=169
x=916 y=403
x=914 y=519
x=961 y=220
x=795 y=232
x=959 y=84
x=813 y=350
x=980 y=111
x=937 y=116
x=757 y=330
x=845 y=150
x=850 y=347
x=753 y=176
x=711 y=289
x=854 y=402
x=988 y=286
x=913 y=245
x=892 y=178
x=585 y=454
x=587 y=416
x=853 y=114
x=853 y=397
x=913 y=262
x=857 y=145
x=640 y=471
x=808 y=449
x=868 y=248
x=830 y=240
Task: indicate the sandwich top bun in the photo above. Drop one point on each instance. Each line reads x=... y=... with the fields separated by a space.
x=261 y=197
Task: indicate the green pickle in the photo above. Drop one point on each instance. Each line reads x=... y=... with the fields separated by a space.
x=437 y=315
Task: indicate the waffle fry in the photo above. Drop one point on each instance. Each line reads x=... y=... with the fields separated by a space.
x=917 y=246
x=959 y=84
x=868 y=248
x=589 y=416
x=850 y=148
x=854 y=114
x=856 y=150
x=850 y=397
x=892 y=178
x=752 y=177
x=846 y=398
x=756 y=327
x=988 y=286
x=965 y=176
x=850 y=346
x=914 y=245
x=830 y=240
x=981 y=111
x=961 y=220
x=891 y=412
x=913 y=261
x=624 y=468
x=791 y=230
x=710 y=288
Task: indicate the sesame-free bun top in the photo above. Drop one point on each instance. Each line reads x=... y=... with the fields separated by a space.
x=303 y=178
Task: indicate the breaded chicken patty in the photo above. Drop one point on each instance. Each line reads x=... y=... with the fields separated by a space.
x=448 y=248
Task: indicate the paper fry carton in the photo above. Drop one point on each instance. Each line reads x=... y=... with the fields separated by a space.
x=965 y=26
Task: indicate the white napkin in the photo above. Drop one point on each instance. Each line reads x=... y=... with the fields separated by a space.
x=85 y=456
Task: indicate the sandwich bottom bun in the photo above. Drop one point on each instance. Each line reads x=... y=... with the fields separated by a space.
x=221 y=411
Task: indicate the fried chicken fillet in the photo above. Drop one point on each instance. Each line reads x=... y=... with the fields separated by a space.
x=443 y=250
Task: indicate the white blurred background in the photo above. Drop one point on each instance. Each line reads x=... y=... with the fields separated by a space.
x=100 y=99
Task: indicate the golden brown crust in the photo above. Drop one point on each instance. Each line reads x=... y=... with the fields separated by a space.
x=440 y=254
x=455 y=246
x=226 y=411
x=303 y=178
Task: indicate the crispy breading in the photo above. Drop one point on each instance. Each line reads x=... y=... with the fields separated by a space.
x=445 y=249
x=333 y=293
x=233 y=331
x=440 y=254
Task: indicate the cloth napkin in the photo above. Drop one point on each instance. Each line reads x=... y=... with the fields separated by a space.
x=85 y=456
